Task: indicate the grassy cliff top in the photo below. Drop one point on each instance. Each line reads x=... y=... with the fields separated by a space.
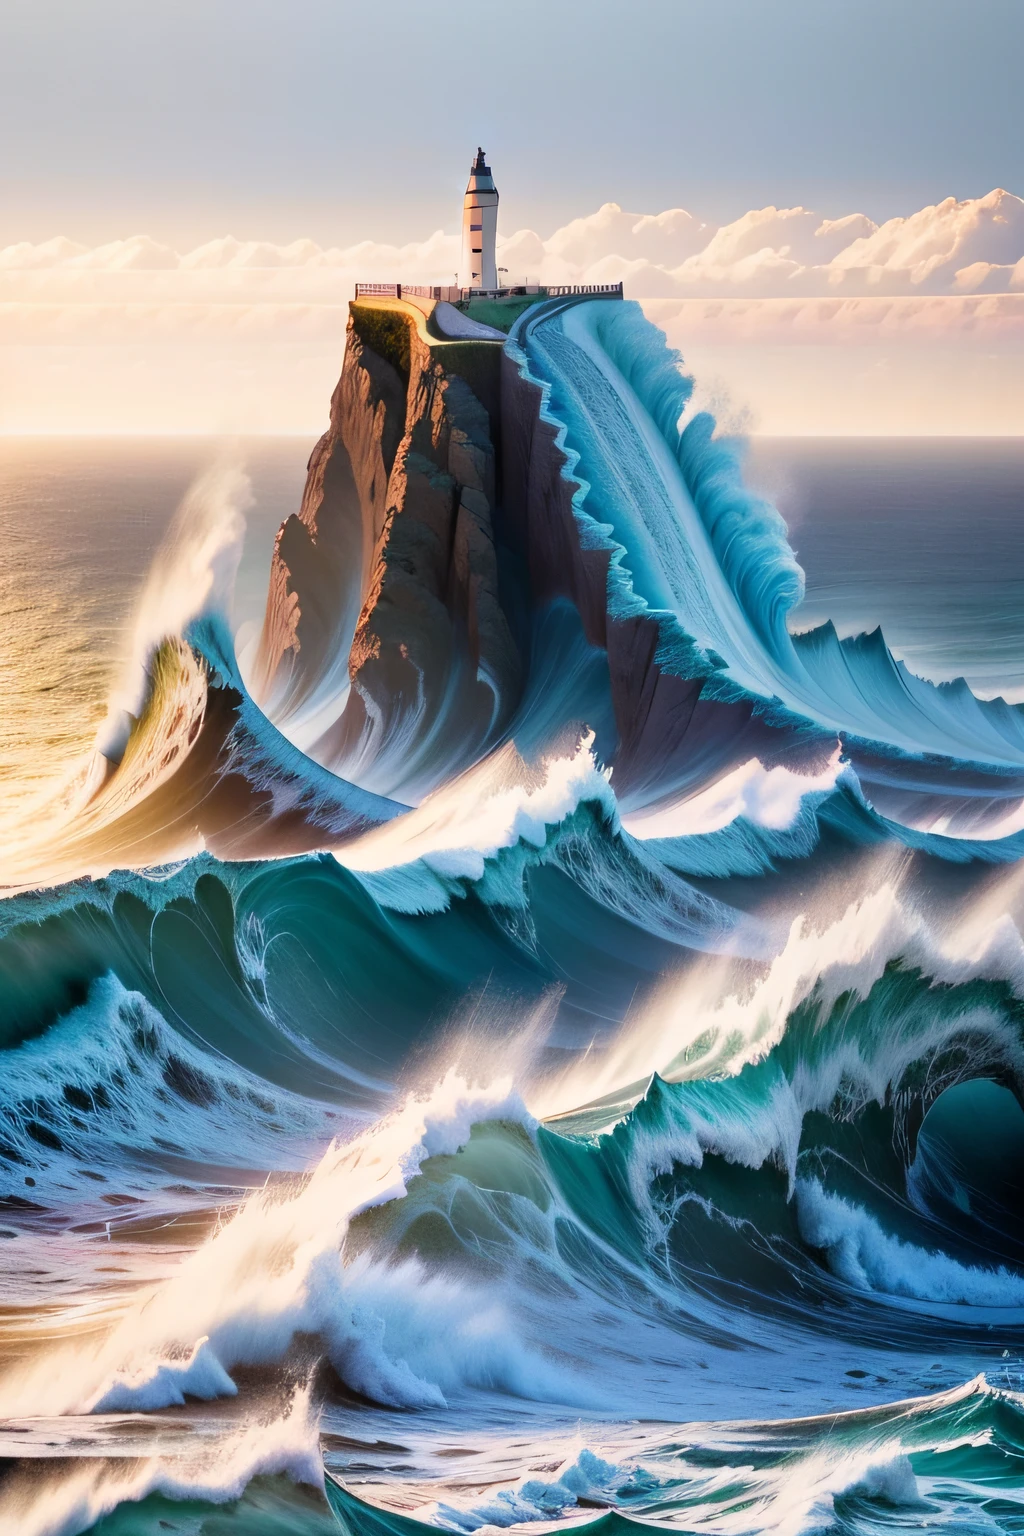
x=501 y=313
x=386 y=326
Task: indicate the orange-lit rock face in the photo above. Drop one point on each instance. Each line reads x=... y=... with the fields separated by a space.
x=390 y=568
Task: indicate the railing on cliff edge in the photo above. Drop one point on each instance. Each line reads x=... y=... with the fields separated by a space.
x=453 y=295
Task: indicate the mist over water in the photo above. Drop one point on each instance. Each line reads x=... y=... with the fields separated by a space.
x=583 y=1087
x=82 y=520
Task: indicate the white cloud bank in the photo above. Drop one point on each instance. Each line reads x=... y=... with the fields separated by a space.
x=951 y=248
x=782 y=310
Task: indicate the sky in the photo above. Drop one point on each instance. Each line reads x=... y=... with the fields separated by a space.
x=186 y=121
x=195 y=118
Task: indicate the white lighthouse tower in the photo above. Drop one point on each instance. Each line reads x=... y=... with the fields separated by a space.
x=479 y=228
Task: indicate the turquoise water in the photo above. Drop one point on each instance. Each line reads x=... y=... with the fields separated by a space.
x=625 y=1150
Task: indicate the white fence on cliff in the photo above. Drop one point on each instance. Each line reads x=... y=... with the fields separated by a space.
x=451 y=295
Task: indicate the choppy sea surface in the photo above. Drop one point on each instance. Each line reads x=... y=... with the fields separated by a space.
x=919 y=536
x=568 y=1147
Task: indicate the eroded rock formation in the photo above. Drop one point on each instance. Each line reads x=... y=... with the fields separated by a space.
x=386 y=649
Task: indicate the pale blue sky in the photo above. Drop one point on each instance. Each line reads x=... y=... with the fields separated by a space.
x=278 y=118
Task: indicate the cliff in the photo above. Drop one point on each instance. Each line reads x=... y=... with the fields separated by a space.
x=386 y=648
x=438 y=593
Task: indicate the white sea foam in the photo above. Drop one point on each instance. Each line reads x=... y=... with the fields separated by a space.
x=585 y=1476
x=193 y=573
x=492 y=806
x=281 y=1267
x=218 y=1473
x=199 y=1374
x=769 y=797
x=804 y=1501
x=706 y=1024
x=58 y=834
x=117 y=1055
x=868 y=1258
x=797 y=1498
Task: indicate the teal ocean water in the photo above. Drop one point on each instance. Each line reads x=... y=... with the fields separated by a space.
x=622 y=1131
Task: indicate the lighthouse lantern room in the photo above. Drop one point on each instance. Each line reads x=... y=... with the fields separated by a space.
x=480 y=227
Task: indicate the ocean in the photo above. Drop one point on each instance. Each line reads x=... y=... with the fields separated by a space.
x=621 y=1128
x=920 y=536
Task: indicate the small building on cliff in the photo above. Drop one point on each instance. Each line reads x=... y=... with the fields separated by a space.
x=477 y=278
x=479 y=265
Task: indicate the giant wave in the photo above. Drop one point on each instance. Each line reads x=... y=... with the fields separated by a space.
x=527 y=1020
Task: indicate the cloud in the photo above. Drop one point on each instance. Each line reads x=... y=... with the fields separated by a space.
x=114 y=324
x=662 y=238
x=990 y=277
x=741 y=300
x=139 y=254
x=931 y=246
x=989 y=319
x=254 y=255
x=52 y=253
x=951 y=247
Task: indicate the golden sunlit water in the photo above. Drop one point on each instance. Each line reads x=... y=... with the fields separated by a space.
x=81 y=522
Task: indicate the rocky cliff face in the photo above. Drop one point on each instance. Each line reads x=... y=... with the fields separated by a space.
x=321 y=555
x=386 y=649
x=389 y=652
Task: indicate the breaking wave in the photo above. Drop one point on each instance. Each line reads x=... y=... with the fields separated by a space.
x=576 y=1026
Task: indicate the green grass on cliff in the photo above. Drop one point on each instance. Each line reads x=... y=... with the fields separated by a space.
x=386 y=332
x=501 y=313
x=386 y=328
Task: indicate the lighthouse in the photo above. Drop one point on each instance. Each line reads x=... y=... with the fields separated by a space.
x=479 y=227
